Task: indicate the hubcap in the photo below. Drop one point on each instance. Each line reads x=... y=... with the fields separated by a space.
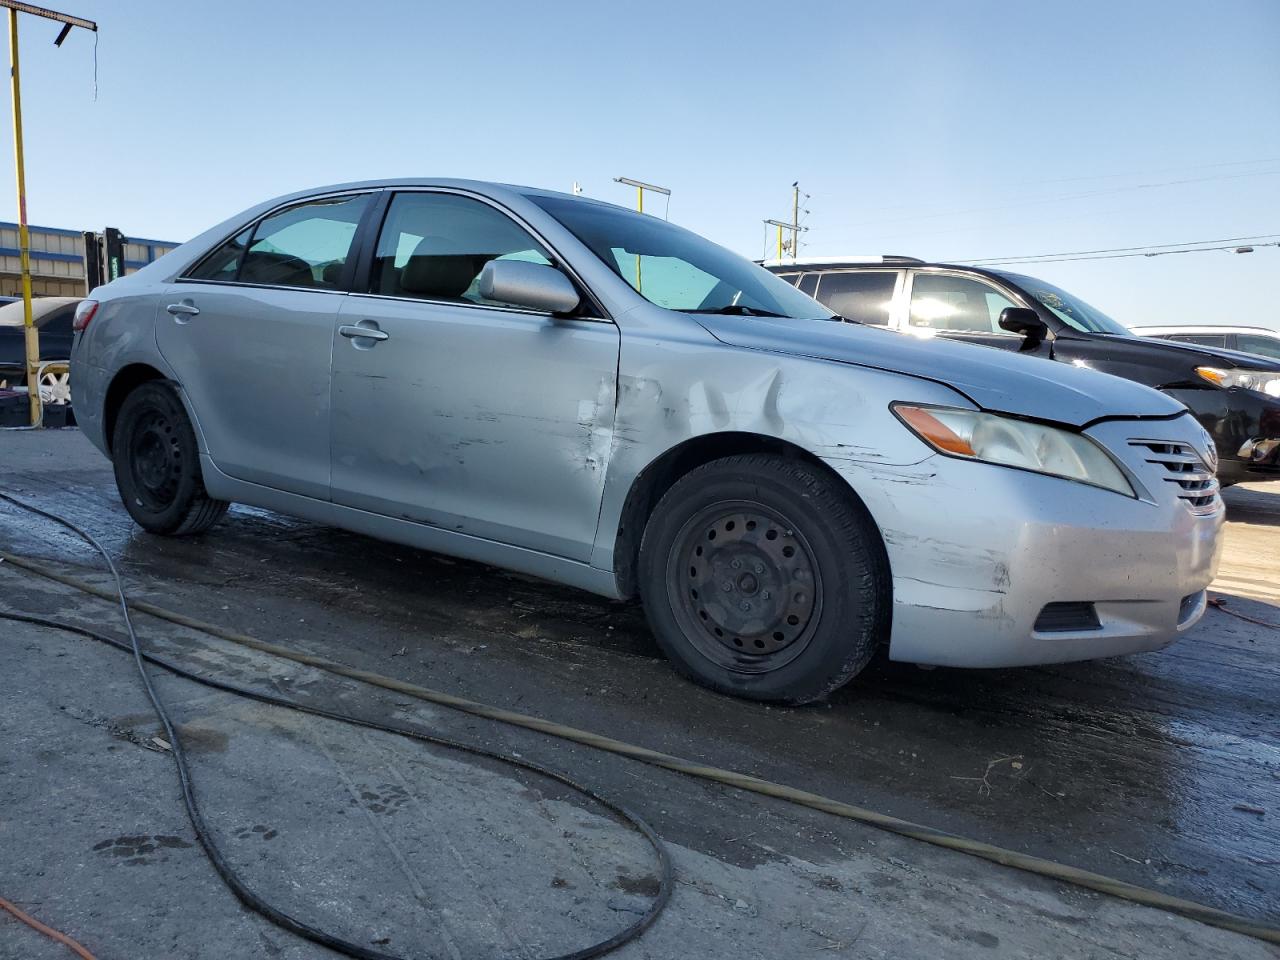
x=744 y=586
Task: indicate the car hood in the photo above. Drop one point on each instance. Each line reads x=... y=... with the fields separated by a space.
x=1215 y=356
x=994 y=379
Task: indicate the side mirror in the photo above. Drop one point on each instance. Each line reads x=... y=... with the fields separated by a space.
x=524 y=284
x=1027 y=322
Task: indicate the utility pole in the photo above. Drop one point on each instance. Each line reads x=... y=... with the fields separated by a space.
x=793 y=246
x=641 y=187
x=32 y=335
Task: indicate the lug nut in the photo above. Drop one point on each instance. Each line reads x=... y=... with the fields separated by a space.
x=745 y=605
x=736 y=564
x=728 y=586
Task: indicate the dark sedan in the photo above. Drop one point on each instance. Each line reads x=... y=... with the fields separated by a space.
x=1235 y=396
x=52 y=317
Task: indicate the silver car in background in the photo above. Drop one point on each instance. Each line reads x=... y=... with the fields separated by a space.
x=565 y=388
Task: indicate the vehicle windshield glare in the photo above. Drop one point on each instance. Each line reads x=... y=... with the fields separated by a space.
x=1069 y=309
x=676 y=269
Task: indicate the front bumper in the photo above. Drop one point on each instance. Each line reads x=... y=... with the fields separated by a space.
x=978 y=551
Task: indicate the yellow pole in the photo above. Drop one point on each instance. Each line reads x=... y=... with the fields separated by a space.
x=24 y=238
x=779 y=244
x=639 y=209
x=795 y=219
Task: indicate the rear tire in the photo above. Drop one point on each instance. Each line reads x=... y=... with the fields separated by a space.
x=157 y=464
x=765 y=577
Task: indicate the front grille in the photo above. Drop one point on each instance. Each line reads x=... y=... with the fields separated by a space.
x=1067 y=617
x=1178 y=463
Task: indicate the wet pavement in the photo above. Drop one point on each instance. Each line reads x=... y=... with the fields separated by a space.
x=1146 y=768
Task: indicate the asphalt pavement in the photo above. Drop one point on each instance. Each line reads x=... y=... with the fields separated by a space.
x=1149 y=768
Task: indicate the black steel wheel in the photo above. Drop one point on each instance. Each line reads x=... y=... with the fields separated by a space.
x=765 y=577
x=157 y=463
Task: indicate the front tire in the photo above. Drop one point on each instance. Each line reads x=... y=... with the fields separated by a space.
x=157 y=464
x=765 y=577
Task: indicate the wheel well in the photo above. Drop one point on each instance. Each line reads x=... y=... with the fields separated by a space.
x=124 y=383
x=659 y=476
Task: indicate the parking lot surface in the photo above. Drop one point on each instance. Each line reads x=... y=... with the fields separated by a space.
x=1161 y=769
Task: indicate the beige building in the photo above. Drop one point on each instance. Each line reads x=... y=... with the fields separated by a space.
x=57 y=260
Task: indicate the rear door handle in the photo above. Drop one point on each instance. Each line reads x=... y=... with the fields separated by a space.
x=364 y=330
x=184 y=311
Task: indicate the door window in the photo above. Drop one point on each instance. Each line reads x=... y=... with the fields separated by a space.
x=433 y=246
x=304 y=246
x=808 y=284
x=789 y=277
x=865 y=296
x=223 y=263
x=1266 y=346
x=1204 y=340
x=950 y=303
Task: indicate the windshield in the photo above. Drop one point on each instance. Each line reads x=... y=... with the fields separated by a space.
x=676 y=269
x=1070 y=310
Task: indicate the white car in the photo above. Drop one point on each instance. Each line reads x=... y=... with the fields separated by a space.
x=1260 y=340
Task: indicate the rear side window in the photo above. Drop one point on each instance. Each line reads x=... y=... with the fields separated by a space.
x=1205 y=339
x=789 y=277
x=808 y=284
x=434 y=245
x=865 y=296
x=304 y=246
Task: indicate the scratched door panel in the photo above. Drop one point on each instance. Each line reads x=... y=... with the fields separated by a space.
x=489 y=422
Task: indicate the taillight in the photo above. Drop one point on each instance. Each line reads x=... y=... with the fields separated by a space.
x=84 y=313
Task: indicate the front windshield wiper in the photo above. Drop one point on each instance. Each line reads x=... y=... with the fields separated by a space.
x=738 y=310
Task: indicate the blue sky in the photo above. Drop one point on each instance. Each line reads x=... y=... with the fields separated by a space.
x=940 y=130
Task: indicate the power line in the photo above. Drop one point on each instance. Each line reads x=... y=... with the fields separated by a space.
x=1108 y=255
x=1145 y=246
x=1110 y=191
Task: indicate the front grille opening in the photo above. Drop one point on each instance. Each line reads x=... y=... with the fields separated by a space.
x=1067 y=617
x=1179 y=464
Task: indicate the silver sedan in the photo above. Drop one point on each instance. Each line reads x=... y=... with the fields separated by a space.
x=562 y=387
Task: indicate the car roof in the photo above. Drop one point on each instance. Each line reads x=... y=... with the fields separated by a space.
x=11 y=314
x=803 y=263
x=1209 y=328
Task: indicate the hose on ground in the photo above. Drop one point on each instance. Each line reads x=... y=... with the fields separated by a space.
x=1038 y=866
x=247 y=896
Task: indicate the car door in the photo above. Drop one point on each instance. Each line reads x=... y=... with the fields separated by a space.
x=960 y=307
x=249 y=331
x=478 y=417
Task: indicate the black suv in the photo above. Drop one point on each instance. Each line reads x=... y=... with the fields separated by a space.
x=1236 y=396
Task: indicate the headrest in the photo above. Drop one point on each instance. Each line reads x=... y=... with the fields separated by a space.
x=444 y=276
x=333 y=272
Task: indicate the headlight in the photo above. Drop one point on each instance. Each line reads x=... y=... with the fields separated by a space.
x=1264 y=381
x=1015 y=443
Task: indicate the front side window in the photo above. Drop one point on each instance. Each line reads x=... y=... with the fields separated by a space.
x=945 y=303
x=674 y=268
x=865 y=296
x=1265 y=346
x=433 y=246
x=304 y=246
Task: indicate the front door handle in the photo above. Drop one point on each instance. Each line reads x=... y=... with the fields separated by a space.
x=364 y=330
x=183 y=311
